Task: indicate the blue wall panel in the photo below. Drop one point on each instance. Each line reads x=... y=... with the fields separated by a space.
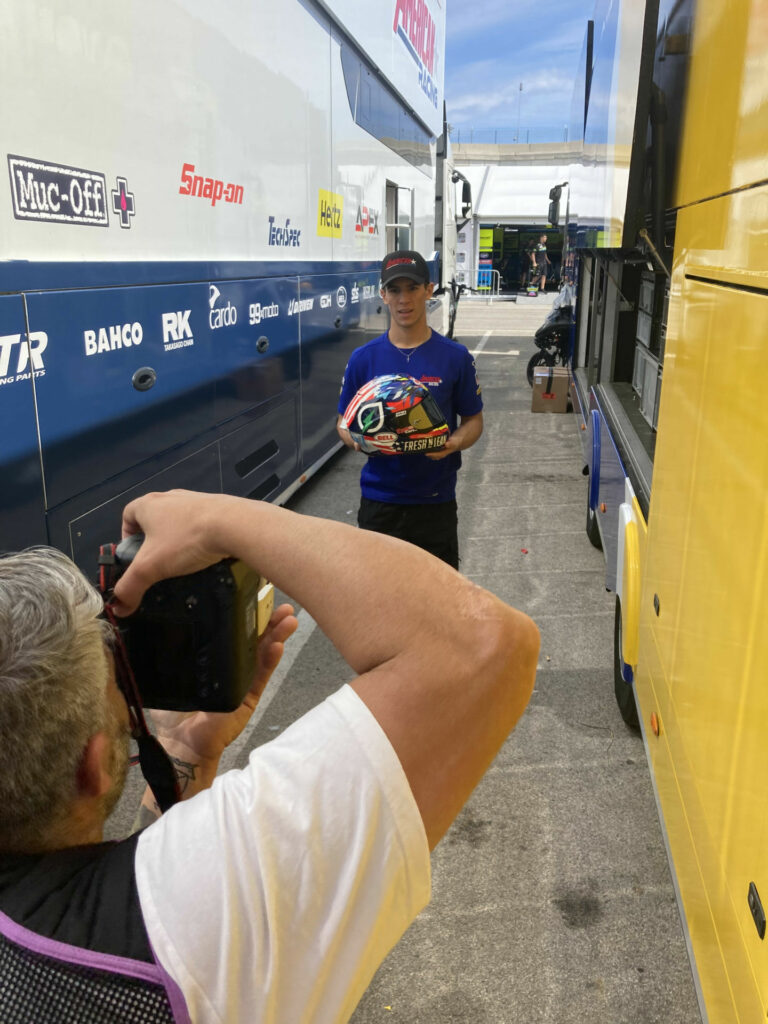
x=215 y=352
x=347 y=311
x=256 y=357
x=21 y=486
x=612 y=476
x=244 y=377
x=79 y=526
x=93 y=422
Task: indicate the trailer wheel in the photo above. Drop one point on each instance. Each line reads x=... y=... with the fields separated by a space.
x=625 y=696
x=538 y=359
x=593 y=530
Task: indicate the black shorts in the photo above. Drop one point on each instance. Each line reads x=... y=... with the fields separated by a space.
x=431 y=527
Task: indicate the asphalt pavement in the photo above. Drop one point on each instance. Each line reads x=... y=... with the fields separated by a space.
x=552 y=896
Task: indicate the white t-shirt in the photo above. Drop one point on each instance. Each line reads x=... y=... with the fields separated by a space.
x=273 y=896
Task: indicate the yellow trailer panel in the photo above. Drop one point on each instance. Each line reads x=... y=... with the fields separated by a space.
x=724 y=139
x=703 y=642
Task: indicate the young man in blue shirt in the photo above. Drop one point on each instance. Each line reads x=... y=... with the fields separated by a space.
x=413 y=496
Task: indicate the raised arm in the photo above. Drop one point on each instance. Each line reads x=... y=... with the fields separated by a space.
x=445 y=667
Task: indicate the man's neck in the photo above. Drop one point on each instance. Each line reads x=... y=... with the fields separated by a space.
x=63 y=834
x=409 y=337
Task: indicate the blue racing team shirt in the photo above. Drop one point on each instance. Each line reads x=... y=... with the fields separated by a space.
x=449 y=372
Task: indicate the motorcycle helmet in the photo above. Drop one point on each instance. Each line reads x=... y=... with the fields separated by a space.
x=395 y=415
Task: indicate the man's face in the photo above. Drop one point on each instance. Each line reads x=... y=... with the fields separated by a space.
x=407 y=300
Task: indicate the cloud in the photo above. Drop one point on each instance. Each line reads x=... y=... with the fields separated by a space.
x=494 y=46
x=544 y=99
x=464 y=18
x=526 y=19
x=565 y=38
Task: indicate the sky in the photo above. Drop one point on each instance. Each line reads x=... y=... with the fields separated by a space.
x=494 y=45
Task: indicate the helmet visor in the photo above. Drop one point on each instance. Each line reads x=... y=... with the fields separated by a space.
x=429 y=414
x=419 y=418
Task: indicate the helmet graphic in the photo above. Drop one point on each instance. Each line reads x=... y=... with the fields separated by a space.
x=395 y=414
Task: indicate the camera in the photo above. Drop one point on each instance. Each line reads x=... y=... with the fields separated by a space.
x=192 y=642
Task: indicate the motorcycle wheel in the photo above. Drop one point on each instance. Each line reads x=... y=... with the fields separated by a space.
x=538 y=359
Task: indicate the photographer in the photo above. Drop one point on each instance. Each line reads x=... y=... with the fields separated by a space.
x=275 y=893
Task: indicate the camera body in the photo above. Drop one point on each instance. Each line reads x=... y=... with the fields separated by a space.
x=192 y=643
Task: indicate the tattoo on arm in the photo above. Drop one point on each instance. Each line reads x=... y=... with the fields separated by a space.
x=185 y=773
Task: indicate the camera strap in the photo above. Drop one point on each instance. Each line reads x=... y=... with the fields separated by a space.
x=156 y=766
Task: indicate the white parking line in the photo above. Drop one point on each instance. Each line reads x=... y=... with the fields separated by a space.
x=492 y=352
x=481 y=346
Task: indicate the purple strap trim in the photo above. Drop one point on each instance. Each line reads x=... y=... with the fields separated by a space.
x=75 y=955
x=153 y=973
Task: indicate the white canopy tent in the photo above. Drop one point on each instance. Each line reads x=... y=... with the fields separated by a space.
x=512 y=193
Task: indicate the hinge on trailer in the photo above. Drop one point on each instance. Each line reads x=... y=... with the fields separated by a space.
x=756 y=907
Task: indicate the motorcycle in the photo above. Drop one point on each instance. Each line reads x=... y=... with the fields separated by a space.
x=553 y=338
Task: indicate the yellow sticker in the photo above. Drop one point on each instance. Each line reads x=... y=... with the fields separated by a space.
x=330 y=214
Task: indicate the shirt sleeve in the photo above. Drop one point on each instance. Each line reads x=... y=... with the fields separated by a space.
x=275 y=895
x=469 y=400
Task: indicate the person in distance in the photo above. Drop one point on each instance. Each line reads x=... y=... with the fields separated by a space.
x=413 y=496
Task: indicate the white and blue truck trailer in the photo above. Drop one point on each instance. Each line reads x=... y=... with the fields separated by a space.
x=195 y=204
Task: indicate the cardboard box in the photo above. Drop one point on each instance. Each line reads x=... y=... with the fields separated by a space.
x=550 y=389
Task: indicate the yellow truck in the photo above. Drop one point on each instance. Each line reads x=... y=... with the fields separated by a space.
x=668 y=239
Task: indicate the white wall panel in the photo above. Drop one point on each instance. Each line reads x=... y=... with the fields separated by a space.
x=405 y=39
x=242 y=106
x=363 y=167
x=239 y=91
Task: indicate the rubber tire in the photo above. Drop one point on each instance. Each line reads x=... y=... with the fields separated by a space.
x=538 y=359
x=625 y=695
x=593 y=530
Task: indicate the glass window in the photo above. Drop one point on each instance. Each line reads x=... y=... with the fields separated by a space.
x=376 y=108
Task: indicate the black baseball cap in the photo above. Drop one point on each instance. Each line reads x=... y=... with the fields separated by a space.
x=404 y=263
